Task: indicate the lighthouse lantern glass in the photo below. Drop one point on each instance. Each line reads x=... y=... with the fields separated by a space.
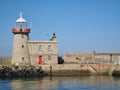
x=21 y=25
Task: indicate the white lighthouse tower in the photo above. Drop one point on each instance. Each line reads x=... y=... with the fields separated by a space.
x=20 y=53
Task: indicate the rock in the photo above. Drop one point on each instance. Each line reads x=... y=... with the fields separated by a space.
x=20 y=72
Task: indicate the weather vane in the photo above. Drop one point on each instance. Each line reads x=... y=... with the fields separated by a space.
x=21 y=14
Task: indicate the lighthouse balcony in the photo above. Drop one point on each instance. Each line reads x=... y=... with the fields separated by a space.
x=21 y=30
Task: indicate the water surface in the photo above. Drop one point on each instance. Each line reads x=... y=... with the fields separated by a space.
x=63 y=83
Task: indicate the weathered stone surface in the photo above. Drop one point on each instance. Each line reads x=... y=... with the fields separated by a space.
x=93 y=57
x=78 y=69
x=5 y=60
x=44 y=51
x=20 y=53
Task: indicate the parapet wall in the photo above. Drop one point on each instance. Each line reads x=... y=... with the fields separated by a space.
x=92 y=57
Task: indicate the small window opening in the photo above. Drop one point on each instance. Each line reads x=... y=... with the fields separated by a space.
x=22 y=46
x=40 y=47
x=23 y=59
x=49 y=57
x=49 y=47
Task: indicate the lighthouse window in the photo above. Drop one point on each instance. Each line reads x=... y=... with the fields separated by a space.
x=22 y=46
x=49 y=47
x=21 y=25
x=23 y=58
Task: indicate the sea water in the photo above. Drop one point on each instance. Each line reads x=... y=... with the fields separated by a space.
x=62 y=83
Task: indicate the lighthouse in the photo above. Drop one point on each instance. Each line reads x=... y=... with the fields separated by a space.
x=20 y=53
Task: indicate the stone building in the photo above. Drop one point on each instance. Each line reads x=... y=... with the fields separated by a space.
x=30 y=52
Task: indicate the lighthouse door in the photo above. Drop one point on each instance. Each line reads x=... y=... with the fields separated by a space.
x=40 y=59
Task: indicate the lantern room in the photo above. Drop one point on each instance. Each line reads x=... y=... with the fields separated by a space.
x=21 y=26
x=21 y=22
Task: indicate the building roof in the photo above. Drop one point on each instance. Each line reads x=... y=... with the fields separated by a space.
x=42 y=41
x=21 y=19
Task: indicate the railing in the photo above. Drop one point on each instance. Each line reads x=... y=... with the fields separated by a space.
x=21 y=30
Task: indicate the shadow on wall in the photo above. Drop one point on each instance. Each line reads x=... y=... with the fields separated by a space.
x=60 y=60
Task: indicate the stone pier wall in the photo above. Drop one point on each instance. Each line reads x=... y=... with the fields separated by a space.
x=92 y=57
x=78 y=69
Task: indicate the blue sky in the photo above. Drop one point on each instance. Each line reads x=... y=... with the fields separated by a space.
x=80 y=25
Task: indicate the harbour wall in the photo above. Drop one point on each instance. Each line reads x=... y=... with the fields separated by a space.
x=92 y=57
x=59 y=70
x=79 y=69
